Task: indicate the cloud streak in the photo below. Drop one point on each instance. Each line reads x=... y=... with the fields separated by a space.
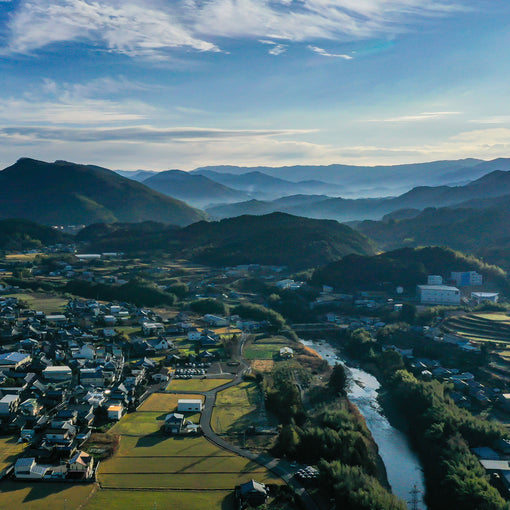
x=324 y=53
x=139 y=134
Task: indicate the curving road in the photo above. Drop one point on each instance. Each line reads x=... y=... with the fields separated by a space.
x=279 y=467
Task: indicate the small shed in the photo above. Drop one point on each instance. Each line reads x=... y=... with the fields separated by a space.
x=189 y=406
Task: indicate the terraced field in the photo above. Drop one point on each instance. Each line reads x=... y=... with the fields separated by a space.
x=492 y=328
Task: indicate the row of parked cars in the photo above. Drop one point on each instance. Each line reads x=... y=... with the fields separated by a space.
x=307 y=473
x=188 y=373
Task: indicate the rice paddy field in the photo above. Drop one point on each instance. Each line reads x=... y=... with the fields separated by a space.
x=151 y=468
x=47 y=303
x=195 y=385
x=237 y=408
x=166 y=402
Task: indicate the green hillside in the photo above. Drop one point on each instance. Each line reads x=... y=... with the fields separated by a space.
x=407 y=267
x=274 y=239
x=16 y=234
x=480 y=231
x=67 y=193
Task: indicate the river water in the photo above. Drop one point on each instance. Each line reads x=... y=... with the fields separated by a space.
x=402 y=464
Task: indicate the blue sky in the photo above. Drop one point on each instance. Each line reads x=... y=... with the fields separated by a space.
x=160 y=84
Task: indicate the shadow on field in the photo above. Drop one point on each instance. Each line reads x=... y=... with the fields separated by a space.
x=229 y=502
x=151 y=440
x=37 y=490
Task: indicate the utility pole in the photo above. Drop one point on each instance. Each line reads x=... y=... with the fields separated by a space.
x=415 y=493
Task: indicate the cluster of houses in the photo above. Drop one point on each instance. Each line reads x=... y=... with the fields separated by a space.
x=58 y=379
x=466 y=393
x=176 y=423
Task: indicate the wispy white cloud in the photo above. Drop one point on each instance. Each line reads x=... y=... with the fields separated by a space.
x=135 y=29
x=76 y=103
x=276 y=48
x=151 y=28
x=416 y=118
x=140 y=133
x=324 y=53
x=493 y=119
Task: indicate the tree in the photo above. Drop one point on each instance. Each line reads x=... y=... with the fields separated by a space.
x=338 y=379
x=408 y=313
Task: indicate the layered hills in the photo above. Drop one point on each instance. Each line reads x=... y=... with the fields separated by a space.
x=68 y=193
x=492 y=185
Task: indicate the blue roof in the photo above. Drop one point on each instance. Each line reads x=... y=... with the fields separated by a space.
x=14 y=357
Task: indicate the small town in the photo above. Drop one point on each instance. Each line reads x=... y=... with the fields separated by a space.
x=89 y=386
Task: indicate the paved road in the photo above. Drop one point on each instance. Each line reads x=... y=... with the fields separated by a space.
x=277 y=466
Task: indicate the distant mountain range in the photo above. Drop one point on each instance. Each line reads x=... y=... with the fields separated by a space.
x=373 y=181
x=136 y=175
x=336 y=189
x=195 y=189
x=63 y=193
x=262 y=185
x=490 y=186
x=275 y=239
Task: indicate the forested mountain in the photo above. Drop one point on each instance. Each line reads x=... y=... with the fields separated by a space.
x=67 y=193
x=18 y=234
x=274 y=239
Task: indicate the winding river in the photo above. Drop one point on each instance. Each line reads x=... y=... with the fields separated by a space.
x=402 y=464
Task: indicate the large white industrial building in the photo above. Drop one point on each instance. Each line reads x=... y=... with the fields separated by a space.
x=438 y=295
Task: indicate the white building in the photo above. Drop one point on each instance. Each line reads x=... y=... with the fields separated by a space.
x=467 y=278
x=9 y=404
x=115 y=411
x=216 y=321
x=480 y=297
x=434 y=279
x=58 y=373
x=438 y=295
x=189 y=406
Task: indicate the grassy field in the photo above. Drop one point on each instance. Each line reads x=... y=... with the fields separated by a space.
x=266 y=348
x=166 y=403
x=492 y=328
x=195 y=385
x=47 y=303
x=236 y=408
x=495 y=316
x=181 y=464
x=149 y=460
x=43 y=496
x=22 y=257
x=139 y=424
x=187 y=480
x=9 y=451
x=148 y=500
